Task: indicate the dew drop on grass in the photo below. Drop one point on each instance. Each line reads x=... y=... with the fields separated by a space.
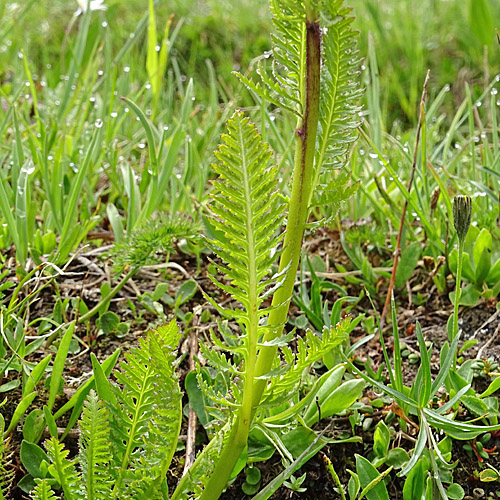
x=92 y=99
x=20 y=55
x=142 y=145
x=100 y=72
x=373 y=155
x=98 y=123
x=494 y=91
x=148 y=86
x=132 y=35
x=165 y=127
x=114 y=114
x=498 y=102
x=104 y=24
x=157 y=48
x=361 y=152
x=50 y=157
x=478 y=104
x=126 y=69
x=126 y=110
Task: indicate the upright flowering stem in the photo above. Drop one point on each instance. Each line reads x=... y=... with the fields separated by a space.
x=260 y=364
x=462 y=211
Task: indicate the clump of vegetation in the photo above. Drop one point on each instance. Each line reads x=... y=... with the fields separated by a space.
x=271 y=257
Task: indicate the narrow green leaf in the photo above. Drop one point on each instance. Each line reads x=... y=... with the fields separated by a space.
x=371 y=480
x=82 y=391
x=59 y=361
x=493 y=387
x=102 y=383
x=414 y=487
x=36 y=375
x=19 y=411
x=417 y=452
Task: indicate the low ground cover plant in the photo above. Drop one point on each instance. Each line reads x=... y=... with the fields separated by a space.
x=276 y=370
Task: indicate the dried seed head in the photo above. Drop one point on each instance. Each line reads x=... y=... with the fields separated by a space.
x=462 y=211
x=435 y=198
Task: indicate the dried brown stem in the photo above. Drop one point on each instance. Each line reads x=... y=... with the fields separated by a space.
x=192 y=420
x=397 y=251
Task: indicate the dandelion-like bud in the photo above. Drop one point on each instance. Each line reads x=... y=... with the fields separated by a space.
x=462 y=211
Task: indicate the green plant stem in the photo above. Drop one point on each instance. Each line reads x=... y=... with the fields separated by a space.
x=458 y=293
x=105 y=301
x=239 y=433
x=257 y=366
x=183 y=483
x=298 y=207
x=335 y=477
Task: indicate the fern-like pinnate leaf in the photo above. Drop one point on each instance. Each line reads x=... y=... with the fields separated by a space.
x=340 y=90
x=43 y=491
x=147 y=244
x=310 y=349
x=146 y=422
x=128 y=441
x=6 y=469
x=165 y=423
x=95 y=454
x=63 y=470
x=284 y=86
x=247 y=210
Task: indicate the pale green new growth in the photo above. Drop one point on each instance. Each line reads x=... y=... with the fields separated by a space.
x=246 y=208
x=128 y=434
x=62 y=469
x=43 y=491
x=6 y=472
x=313 y=76
x=95 y=454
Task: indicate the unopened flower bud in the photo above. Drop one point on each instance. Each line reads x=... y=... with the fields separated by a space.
x=462 y=211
